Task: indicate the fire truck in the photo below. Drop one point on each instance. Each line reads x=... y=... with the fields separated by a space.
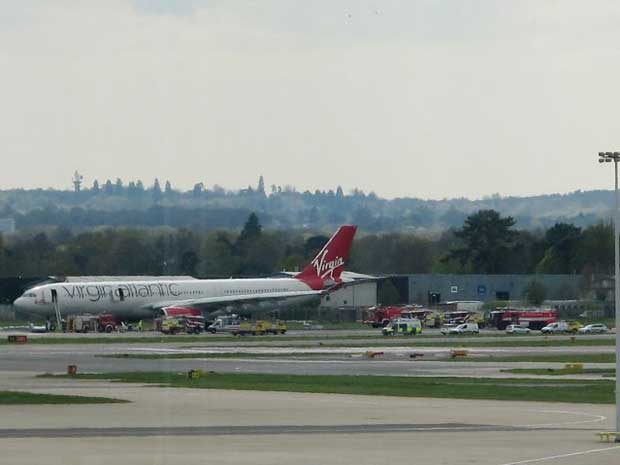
x=532 y=318
x=92 y=323
x=429 y=318
x=464 y=316
x=379 y=317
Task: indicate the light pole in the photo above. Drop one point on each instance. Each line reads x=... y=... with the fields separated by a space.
x=608 y=157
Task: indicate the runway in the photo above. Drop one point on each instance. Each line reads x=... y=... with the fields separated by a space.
x=318 y=360
x=172 y=425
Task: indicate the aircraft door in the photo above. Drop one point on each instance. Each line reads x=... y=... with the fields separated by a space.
x=117 y=295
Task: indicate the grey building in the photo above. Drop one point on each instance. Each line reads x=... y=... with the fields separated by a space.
x=7 y=225
x=361 y=294
x=434 y=288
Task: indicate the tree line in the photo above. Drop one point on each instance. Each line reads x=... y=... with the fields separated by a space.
x=486 y=242
x=138 y=204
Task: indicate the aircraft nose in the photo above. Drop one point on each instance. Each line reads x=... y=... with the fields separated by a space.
x=19 y=302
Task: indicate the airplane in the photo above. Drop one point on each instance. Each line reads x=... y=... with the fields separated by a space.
x=134 y=300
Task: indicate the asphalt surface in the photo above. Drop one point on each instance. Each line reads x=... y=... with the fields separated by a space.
x=315 y=359
x=196 y=426
x=193 y=426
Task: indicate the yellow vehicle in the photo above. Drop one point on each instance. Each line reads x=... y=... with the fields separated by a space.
x=403 y=327
x=172 y=326
x=259 y=328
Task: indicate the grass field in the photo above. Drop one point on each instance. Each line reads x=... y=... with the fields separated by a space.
x=555 y=358
x=599 y=391
x=28 y=398
x=228 y=355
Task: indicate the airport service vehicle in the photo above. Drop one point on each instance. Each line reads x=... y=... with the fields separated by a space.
x=517 y=329
x=224 y=324
x=595 y=328
x=445 y=329
x=561 y=327
x=532 y=318
x=403 y=326
x=429 y=318
x=182 y=324
x=378 y=317
x=259 y=328
x=107 y=323
x=136 y=299
x=37 y=328
x=463 y=316
x=465 y=328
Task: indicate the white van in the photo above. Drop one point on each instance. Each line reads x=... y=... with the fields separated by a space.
x=465 y=328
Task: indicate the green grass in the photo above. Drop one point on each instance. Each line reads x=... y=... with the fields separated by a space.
x=27 y=398
x=555 y=358
x=599 y=391
x=226 y=355
x=561 y=371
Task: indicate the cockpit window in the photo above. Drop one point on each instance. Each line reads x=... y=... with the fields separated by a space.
x=30 y=294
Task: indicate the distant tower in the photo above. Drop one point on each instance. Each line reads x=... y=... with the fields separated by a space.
x=77 y=181
x=261 y=185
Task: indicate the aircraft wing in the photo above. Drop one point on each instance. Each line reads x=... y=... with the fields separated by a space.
x=206 y=302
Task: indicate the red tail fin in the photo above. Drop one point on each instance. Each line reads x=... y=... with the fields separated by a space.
x=329 y=263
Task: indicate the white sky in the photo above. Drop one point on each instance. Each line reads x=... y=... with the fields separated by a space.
x=426 y=98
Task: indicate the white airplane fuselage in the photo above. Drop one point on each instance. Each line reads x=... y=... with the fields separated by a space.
x=136 y=299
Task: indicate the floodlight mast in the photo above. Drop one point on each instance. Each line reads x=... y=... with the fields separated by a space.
x=608 y=157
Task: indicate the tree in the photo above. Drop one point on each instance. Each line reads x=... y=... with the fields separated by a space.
x=535 y=293
x=95 y=187
x=562 y=255
x=251 y=230
x=197 y=190
x=118 y=187
x=487 y=240
x=108 y=189
x=157 y=195
x=189 y=262
x=168 y=189
x=339 y=192
x=597 y=251
x=313 y=245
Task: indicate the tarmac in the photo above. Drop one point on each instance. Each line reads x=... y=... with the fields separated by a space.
x=162 y=426
x=317 y=360
x=195 y=426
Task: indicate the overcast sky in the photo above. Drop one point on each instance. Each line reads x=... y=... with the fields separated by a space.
x=420 y=98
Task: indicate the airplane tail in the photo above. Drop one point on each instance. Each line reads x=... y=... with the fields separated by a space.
x=328 y=265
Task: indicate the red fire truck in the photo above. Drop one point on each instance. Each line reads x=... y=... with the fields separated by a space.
x=533 y=318
x=378 y=317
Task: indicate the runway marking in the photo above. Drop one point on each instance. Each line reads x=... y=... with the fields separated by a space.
x=247 y=430
x=563 y=456
x=594 y=419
